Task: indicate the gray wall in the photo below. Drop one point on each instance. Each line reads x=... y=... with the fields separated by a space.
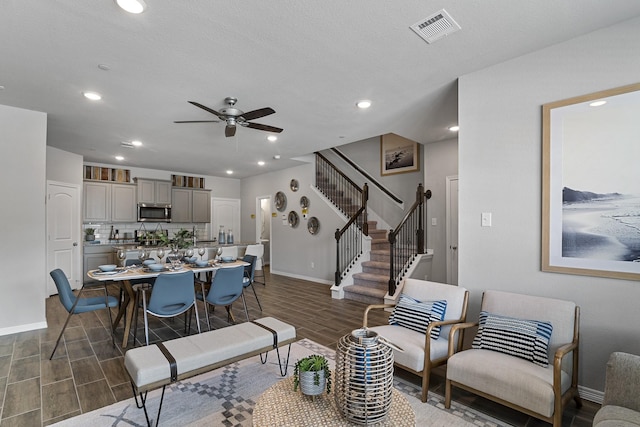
x=293 y=249
x=440 y=161
x=500 y=172
x=63 y=166
x=22 y=170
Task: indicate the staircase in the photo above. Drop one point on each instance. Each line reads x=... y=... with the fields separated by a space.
x=372 y=284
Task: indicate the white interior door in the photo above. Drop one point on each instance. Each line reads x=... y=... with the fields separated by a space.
x=263 y=225
x=452 y=230
x=64 y=250
x=226 y=213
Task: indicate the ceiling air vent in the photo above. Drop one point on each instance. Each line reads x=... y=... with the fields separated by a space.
x=436 y=26
x=125 y=144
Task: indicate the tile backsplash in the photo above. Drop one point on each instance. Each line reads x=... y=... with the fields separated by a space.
x=126 y=231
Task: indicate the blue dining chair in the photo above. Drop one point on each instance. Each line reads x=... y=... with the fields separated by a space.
x=172 y=295
x=226 y=287
x=76 y=305
x=249 y=276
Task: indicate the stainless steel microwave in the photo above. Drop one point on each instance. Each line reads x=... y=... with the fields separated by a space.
x=153 y=212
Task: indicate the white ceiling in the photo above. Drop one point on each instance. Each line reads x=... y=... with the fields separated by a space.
x=308 y=60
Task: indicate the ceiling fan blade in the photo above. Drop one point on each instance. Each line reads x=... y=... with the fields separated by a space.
x=205 y=108
x=196 y=121
x=256 y=114
x=264 y=127
x=229 y=131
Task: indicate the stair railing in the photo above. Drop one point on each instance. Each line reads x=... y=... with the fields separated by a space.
x=350 y=200
x=349 y=239
x=345 y=194
x=407 y=240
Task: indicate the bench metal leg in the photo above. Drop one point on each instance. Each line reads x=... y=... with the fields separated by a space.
x=286 y=364
x=142 y=405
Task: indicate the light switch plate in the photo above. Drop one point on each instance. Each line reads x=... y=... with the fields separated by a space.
x=434 y=221
x=486 y=219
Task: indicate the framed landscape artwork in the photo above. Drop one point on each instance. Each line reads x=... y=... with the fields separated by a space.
x=591 y=184
x=398 y=155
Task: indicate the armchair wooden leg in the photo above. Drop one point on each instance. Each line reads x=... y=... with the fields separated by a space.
x=447 y=394
x=425 y=384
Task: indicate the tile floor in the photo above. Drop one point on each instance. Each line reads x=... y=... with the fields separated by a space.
x=88 y=373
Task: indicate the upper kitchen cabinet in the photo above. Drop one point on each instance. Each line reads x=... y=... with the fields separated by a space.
x=154 y=191
x=190 y=205
x=106 y=202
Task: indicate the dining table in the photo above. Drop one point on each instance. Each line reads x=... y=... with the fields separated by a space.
x=123 y=276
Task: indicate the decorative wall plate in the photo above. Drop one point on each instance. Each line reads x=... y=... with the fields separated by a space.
x=304 y=202
x=294 y=185
x=313 y=225
x=293 y=219
x=280 y=201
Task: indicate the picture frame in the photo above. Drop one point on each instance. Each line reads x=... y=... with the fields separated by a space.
x=398 y=155
x=591 y=184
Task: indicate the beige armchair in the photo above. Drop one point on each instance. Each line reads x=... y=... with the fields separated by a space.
x=421 y=351
x=509 y=360
x=621 y=405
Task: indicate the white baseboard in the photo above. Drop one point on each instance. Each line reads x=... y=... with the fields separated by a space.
x=23 y=328
x=591 y=395
x=307 y=278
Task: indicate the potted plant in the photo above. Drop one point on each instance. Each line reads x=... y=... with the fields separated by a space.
x=89 y=235
x=312 y=374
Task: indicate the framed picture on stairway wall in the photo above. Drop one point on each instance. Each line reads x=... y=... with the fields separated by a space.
x=398 y=155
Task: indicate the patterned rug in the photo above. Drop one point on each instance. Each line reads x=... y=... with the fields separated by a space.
x=226 y=397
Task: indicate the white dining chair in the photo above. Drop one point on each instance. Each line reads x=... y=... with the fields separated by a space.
x=257 y=250
x=231 y=251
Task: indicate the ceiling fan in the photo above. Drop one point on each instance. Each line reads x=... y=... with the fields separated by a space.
x=233 y=117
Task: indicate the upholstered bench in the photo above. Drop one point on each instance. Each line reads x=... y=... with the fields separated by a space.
x=160 y=364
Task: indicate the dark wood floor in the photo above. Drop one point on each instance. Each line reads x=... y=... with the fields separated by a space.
x=87 y=372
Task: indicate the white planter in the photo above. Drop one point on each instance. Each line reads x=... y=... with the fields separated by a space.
x=307 y=385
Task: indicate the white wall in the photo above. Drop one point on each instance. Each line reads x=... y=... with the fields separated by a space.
x=500 y=172
x=63 y=166
x=440 y=161
x=22 y=170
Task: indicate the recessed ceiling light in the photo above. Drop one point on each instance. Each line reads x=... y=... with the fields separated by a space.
x=136 y=143
x=119 y=158
x=272 y=138
x=365 y=103
x=597 y=103
x=132 y=6
x=455 y=128
x=277 y=157
x=261 y=163
x=94 y=96
x=103 y=67
x=229 y=172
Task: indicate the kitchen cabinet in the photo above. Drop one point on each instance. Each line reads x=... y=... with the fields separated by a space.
x=107 y=202
x=189 y=205
x=153 y=191
x=201 y=211
x=94 y=256
x=123 y=203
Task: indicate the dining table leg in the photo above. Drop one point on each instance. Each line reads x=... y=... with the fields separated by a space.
x=126 y=310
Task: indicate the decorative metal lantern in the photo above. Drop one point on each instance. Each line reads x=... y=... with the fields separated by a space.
x=363 y=377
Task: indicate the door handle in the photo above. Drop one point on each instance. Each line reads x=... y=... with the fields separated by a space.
x=453 y=247
x=75 y=243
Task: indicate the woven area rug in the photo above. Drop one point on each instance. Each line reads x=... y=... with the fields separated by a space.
x=226 y=397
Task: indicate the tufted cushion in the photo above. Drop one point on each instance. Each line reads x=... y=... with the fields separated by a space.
x=526 y=339
x=416 y=315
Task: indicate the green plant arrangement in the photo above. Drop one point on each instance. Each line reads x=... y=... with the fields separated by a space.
x=315 y=363
x=89 y=233
x=182 y=239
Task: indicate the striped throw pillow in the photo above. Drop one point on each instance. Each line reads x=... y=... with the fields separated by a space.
x=526 y=339
x=416 y=315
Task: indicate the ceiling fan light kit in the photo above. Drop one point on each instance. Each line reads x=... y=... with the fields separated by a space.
x=233 y=117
